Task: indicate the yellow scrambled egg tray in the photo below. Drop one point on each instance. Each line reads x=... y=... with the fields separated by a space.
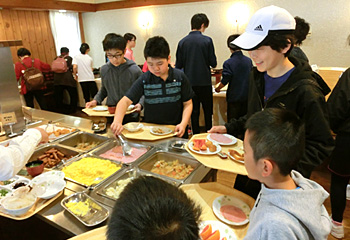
x=90 y=170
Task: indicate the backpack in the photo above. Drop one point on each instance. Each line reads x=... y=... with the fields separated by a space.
x=33 y=77
x=59 y=65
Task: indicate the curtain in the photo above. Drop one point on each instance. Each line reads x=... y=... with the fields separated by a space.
x=66 y=31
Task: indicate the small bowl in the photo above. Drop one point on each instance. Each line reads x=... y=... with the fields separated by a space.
x=133 y=127
x=5 y=203
x=35 y=168
x=111 y=110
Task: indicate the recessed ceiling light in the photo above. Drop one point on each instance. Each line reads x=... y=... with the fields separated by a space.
x=62 y=10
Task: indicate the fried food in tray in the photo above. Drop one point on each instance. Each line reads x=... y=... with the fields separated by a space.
x=53 y=157
x=173 y=169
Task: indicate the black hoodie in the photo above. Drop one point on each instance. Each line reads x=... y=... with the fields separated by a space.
x=303 y=93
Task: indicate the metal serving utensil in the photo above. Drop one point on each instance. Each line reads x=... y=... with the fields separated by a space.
x=125 y=146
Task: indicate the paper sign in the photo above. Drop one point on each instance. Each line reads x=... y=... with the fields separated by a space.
x=8 y=118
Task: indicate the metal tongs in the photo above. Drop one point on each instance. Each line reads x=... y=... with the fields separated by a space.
x=125 y=146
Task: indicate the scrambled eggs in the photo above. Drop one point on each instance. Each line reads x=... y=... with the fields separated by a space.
x=82 y=208
x=87 y=169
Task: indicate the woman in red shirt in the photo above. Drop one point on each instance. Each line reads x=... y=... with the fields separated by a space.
x=24 y=56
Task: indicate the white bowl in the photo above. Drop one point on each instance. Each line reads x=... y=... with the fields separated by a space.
x=133 y=127
x=12 y=208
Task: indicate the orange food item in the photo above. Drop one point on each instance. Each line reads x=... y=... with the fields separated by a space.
x=203 y=147
x=214 y=236
x=212 y=148
x=206 y=232
x=224 y=238
x=198 y=142
x=208 y=143
x=196 y=148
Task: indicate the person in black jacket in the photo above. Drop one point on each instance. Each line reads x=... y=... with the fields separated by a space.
x=339 y=117
x=280 y=81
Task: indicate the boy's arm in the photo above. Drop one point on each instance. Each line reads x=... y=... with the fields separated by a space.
x=122 y=106
x=186 y=115
x=212 y=56
x=178 y=63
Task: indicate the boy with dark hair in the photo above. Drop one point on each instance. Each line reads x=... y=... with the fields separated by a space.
x=235 y=73
x=166 y=90
x=283 y=82
x=65 y=81
x=117 y=75
x=288 y=206
x=152 y=209
x=130 y=43
x=195 y=55
x=24 y=58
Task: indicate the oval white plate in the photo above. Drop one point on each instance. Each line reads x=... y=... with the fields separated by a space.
x=233 y=139
x=234 y=159
x=225 y=231
x=48 y=175
x=100 y=108
x=206 y=152
x=165 y=130
x=229 y=200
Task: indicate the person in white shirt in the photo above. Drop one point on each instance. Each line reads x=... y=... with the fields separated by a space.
x=82 y=71
x=15 y=153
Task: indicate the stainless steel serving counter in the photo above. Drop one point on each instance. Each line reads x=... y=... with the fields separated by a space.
x=55 y=215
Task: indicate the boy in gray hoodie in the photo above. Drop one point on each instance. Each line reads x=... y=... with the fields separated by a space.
x=288 y=206
x=117 y=75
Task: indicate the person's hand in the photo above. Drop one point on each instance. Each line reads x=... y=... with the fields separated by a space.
x=91 y=104
x=138 y=107
x=117 y=128
x=217 y=90
x=218 y=129
x=44 y=135
x=180 y=130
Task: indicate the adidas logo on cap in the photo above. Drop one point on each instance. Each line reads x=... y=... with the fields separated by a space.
x=258 y=28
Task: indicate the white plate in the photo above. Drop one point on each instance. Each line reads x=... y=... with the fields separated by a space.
x=49 y=175
x=233 y=139
x=229 y=200
x=165 y=130
x=233 y=158
x=225 y=231
x=133 y=127
x=206 y=152
x=52 y=181
x=100 y=108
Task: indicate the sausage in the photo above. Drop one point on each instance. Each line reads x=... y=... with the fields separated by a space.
x=42 y=157
x=60 y=154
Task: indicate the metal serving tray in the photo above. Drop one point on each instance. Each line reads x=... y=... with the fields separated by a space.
x=49 y=127
x=93 y=186
x=125 y=174
x=83 y=137
x=168 y=157
x=104 y=148
x=96 y=214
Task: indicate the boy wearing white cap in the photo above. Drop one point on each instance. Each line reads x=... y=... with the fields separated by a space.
x=280 y=81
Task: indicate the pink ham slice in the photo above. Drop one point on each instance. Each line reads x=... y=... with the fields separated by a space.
x=233 y=214
x=220 y=138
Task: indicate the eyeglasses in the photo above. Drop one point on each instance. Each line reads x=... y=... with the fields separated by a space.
x=117 y=56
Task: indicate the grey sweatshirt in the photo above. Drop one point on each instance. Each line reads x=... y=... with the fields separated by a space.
x=290 y=214
x=116 y=81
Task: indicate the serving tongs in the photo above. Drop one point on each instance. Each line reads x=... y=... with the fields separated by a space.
x=125 y=146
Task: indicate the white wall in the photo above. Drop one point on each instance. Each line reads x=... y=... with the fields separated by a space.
x=328 y=45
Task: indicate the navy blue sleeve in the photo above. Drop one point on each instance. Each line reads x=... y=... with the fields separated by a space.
x=179 y=62
x=226 y=73
x=186 y=89
x=136 y=90
x=212 y=57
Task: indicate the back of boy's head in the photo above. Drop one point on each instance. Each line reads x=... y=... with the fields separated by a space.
x=156 y=47
x=64 y=50
x=114 y=41
x=129 y=36
x=302 y=29
x=198 y=19
x=269 y=26
x=279 y=135
x=23 y=52
x=230 y=39
x=84 y=47
x=152 y=209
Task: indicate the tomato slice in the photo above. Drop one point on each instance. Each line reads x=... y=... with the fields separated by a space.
x=214 y=236
x=206 y=232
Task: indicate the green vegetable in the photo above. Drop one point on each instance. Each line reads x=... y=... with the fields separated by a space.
x=3 y=192
x=8 y=182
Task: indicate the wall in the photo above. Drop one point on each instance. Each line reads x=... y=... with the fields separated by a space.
x=33 y=28
x=328 y=44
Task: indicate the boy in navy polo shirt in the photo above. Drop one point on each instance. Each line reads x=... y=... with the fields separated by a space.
x=167 y=91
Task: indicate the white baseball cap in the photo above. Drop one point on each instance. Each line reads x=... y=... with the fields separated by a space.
x=265 y=21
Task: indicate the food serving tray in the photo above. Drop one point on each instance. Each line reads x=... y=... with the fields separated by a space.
x=168 y=157
x=44 y=148
x=38 y=206
x=84 y=137
x=92 y=186
x=96 y=214
x=125 y=160
x=51 y=128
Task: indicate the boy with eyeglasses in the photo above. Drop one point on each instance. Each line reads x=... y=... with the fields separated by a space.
x=117 y=75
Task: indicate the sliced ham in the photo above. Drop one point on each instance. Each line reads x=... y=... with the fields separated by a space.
x=220 y=138
x=232 y=213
